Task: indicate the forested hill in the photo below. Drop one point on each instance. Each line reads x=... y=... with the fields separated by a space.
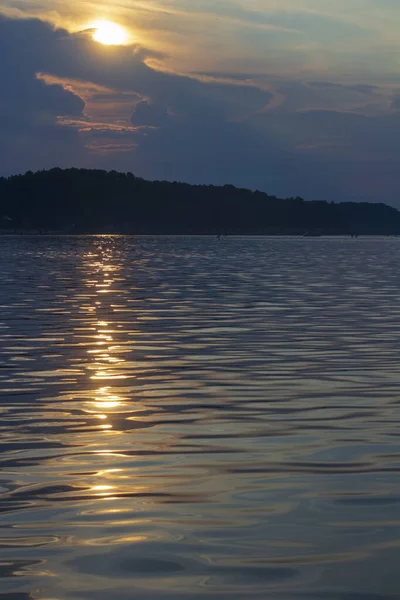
x=86 y=201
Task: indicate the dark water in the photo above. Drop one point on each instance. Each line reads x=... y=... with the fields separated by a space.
x=187 y=418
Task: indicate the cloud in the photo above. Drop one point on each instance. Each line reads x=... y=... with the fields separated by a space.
x=150 y=115
x=65 y=100
x=29 y=109
x=396 y=102
x=363 y=88
x=347 y=155
x=23 y=95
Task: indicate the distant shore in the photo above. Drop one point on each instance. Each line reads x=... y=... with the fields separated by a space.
x=84 y=202
x=35 y=233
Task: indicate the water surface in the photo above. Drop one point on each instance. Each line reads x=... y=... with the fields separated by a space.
x=199 y=419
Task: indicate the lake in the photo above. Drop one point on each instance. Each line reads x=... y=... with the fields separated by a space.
x=199 y=419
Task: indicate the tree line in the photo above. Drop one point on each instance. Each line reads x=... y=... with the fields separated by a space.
x=97 y=201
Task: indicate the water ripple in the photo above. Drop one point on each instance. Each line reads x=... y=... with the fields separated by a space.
x=192 y=418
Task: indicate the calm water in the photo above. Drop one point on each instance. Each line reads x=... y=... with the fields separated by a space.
x=187 y=418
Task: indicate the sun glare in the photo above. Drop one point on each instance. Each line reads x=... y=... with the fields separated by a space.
x=109 y=33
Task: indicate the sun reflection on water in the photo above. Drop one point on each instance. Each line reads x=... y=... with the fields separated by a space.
x=106 y=361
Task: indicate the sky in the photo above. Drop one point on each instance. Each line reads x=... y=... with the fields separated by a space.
x=291 y=97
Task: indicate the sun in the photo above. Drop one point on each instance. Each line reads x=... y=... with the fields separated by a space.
x=108 y=33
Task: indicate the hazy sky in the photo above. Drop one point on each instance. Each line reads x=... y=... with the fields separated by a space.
x=294 y=97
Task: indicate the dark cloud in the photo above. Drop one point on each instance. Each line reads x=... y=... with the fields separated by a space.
x=36 y=47
x=150 y=115
x=122 y=68
x=29 y=134
x=396 y=102
x=22 y=93
x=30 y=97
